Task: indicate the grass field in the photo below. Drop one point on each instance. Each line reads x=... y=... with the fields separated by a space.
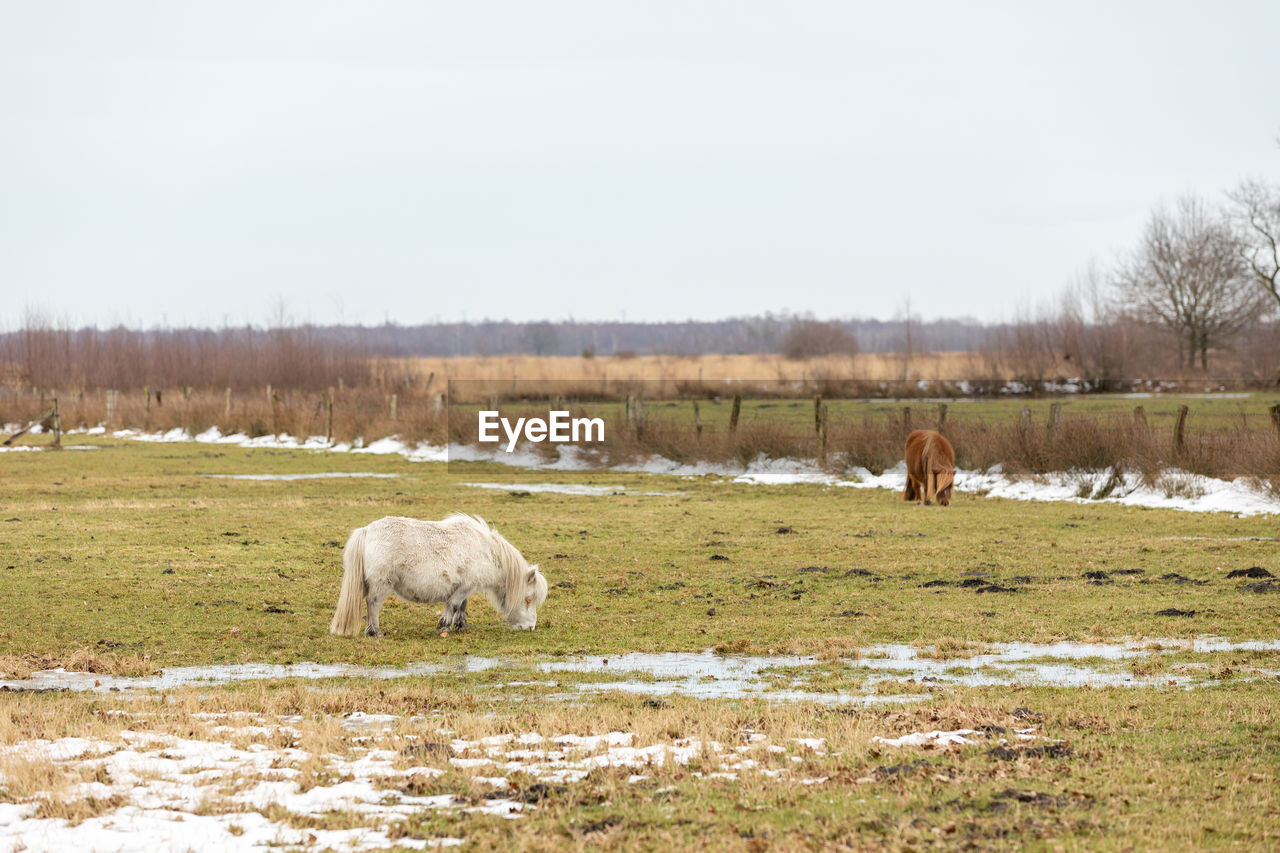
x=133 y=557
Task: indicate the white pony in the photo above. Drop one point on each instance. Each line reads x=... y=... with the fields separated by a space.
x=430 y=562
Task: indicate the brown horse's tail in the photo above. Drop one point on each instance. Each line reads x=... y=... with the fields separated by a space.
x=346 y=619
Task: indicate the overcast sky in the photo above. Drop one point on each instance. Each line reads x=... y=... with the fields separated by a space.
x=201 y=163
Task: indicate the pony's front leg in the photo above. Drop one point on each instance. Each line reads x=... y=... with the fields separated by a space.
x=454 y=617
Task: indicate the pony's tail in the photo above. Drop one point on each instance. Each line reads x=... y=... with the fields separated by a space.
x=346 y=619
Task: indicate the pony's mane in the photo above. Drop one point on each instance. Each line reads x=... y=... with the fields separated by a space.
x=514 y=566
x=932 y=451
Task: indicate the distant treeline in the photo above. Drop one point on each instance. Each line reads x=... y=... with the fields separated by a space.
x=746 y=335
x=48 y=355
x=1079 y=340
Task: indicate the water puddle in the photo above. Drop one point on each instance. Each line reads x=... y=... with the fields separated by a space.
x=1065 y=664
x=703 y=675
x=708 y=675
x=568 y=489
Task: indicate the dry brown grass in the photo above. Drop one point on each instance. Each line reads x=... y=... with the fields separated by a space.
x=678 y=370
x=946 y=648
x=363 y=413
x=81 y=660
x=1084 y=443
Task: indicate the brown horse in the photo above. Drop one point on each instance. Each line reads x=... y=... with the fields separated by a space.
x=931 y=468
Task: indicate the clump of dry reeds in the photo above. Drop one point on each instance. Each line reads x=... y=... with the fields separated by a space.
x=1083 y=443
x=420 y=412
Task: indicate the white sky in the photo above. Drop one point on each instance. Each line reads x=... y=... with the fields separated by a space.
x=201 y=163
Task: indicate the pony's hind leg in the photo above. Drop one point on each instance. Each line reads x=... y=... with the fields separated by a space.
x=373 y=601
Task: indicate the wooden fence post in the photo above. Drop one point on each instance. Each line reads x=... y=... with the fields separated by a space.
x=275 y=410
x=906 y=419
x=1275 y=417
x=392 y=405
x=817 y=413
x=1026 y=417
x=111 y=408
x=437 y=403
x=146 y=391
x=328 y=417
x=942 y=415
x=57 y=425
x=226 y=407
x=1179 y=427
x=733 y=415
x=822 y=435
x=1140 y=417
x=697 y=422
x=1055 y=417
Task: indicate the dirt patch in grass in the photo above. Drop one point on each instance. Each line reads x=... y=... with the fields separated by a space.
x=80 y=660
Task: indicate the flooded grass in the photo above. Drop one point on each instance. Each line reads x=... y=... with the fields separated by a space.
x=711 y=675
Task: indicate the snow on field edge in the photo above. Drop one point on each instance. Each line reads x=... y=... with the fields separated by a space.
x=1176 y=489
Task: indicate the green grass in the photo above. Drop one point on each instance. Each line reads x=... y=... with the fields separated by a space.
x=132 y=548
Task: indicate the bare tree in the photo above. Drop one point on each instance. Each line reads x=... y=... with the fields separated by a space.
x=1187 y=273
x=540 y=338
x=909 y=339
x=811 y=338
x=1256 y=216
x=1092 y=335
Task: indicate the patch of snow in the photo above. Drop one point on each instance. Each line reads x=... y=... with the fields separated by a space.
x=567 y=489
x=957 y=737
x=933 y=738
x=163 y=791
